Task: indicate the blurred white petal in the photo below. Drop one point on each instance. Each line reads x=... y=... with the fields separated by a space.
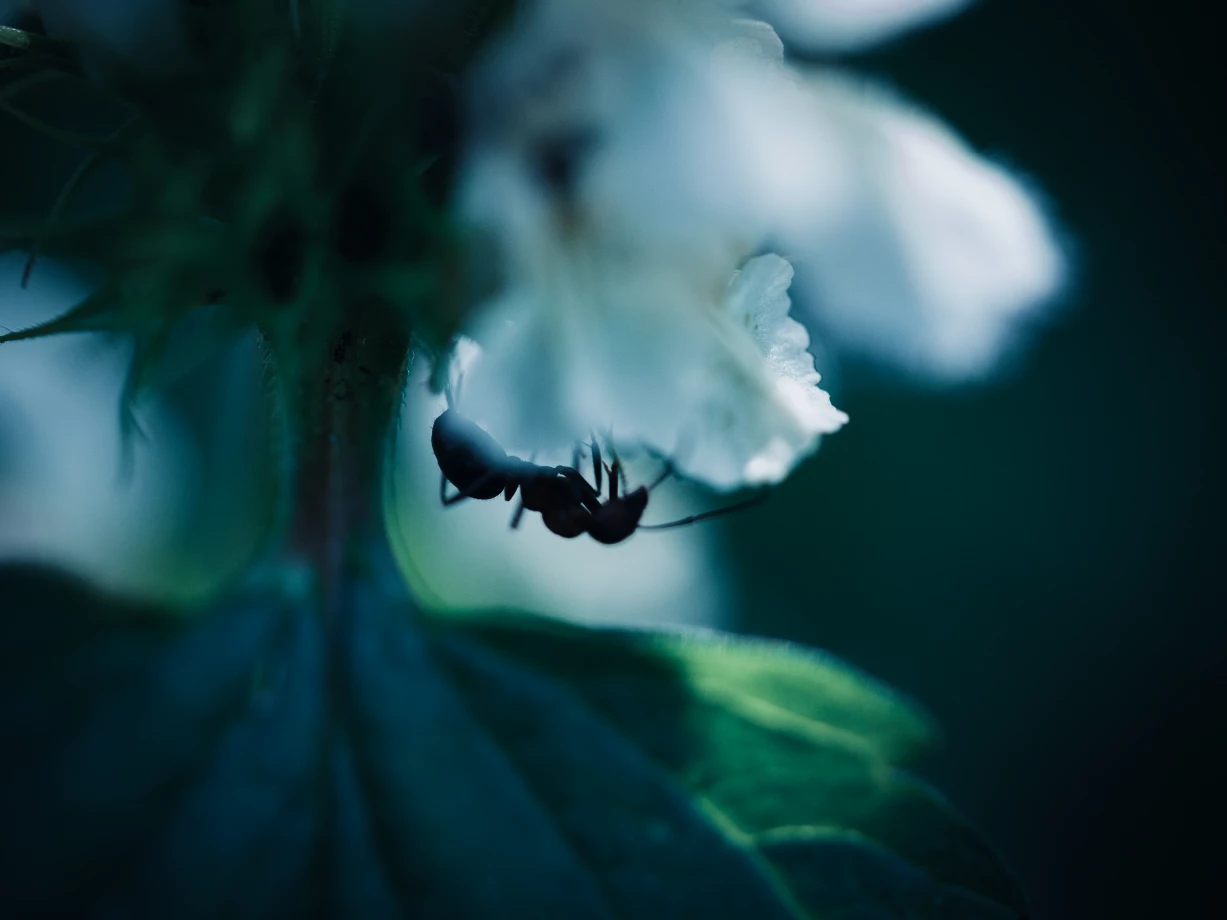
x=941 y=256
x=757 y=300
x=849 y=25
x=467 y=557
x=64 y=498
x=625 y=166
x=689 y=138
x=625 y=155
x=721 y=383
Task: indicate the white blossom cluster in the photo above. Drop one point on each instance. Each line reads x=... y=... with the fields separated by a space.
x=637 y=165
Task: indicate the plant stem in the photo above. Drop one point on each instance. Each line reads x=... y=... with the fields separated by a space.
x=342 y=377
x=343 y=405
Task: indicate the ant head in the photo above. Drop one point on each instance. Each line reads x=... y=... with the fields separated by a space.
x=618 y=518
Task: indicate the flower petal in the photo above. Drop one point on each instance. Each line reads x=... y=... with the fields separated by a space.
x=684 y=137
x=624 y=169
x=940 y=257
x=725 y=387
x=758 y=301
x=850 y=25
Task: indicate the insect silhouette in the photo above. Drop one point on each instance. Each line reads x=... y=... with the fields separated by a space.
x=478 y=467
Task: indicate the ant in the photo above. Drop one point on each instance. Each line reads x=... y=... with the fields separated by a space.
x=476 y=464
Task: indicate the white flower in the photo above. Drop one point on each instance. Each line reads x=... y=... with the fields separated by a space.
x=626 y=158
x=721 y=382
x=620 y=223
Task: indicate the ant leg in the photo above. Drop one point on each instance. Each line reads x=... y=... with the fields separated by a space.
x=458 y=497
x=596 y=463
x=707 y=515
x=588 y=497
x=462 y=494
x=515 y=518
x=616 y=475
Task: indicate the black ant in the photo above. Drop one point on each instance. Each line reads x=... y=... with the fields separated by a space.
x=476 y=464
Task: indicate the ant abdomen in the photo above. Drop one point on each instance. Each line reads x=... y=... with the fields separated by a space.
x=470 y=458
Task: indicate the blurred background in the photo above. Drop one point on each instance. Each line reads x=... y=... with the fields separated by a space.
x=1032 y=558
x=1035 y=559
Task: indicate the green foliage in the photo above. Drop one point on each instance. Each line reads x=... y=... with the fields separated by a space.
x=19 y=44
x=272 y=757
x=281 y=176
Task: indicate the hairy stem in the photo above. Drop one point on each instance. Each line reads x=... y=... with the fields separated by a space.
x=342 y=401
x=341 y=378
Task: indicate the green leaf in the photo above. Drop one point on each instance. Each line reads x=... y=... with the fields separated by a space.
x=26 y=41
x=274 y=757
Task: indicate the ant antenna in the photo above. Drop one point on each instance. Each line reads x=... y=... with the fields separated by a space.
x=664 y=474
x=706 y=515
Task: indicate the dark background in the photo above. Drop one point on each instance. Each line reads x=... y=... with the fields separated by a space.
x=1036 y=560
